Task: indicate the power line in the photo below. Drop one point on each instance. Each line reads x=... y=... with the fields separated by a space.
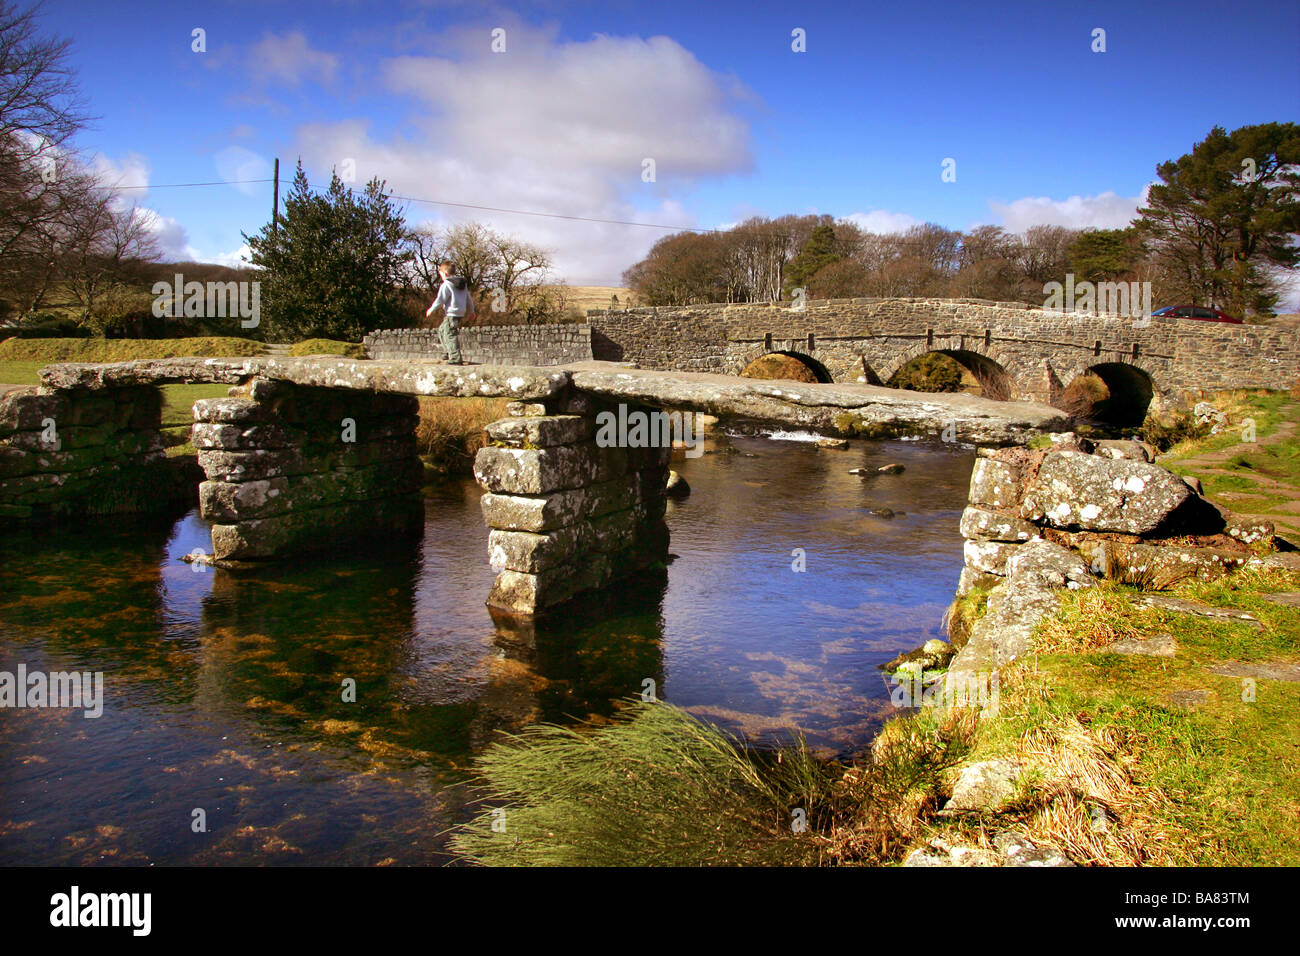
x=224 y=182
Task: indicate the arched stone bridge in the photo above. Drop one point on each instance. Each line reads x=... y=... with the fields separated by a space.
x=311 y=453
x=1033 y=354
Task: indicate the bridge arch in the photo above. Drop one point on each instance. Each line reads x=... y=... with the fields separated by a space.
x=989 y=370
x=1129 y=390
x=817 y=369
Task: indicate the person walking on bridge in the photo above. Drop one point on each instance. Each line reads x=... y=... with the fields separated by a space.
x=457 y=303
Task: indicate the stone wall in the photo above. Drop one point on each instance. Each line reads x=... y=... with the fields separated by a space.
x=564 y=514
x=295 y=469
x=66 y=454
x=870 y=339
x=489 y=344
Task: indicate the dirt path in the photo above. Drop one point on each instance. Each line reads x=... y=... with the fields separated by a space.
x=1286 y=515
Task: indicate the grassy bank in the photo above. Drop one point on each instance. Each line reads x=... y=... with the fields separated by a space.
x=328 y=347
x=1253 y=465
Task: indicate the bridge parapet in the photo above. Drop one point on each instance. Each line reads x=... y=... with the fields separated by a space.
x=868 y=339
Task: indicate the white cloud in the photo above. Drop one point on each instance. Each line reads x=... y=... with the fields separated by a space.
x=1106 y=211
x=553 y=127
x=172 y=239
x=883 y=221
x=289 y=60
x=237 y=165
x=131 y=171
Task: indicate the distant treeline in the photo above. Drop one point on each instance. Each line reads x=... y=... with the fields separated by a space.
x=1221 y=229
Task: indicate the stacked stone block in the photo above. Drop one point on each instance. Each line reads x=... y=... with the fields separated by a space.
x=1107 y=501
x=566 y=515
x=488 y=344
x=66 y=454
x=294 y=469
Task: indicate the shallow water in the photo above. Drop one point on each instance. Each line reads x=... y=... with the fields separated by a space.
x=224 y=692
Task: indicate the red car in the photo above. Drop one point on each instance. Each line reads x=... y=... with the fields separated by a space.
x=1195 y=312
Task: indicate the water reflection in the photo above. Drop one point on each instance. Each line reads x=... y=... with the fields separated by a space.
x=228 y=693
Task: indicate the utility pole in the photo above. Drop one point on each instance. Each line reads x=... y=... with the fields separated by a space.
x=275 y=205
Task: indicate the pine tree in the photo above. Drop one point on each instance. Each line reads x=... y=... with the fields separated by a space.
x=1226 y=213
x=820 y=250
x=334 y=268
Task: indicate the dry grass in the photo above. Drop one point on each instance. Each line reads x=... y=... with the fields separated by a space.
x=1083 y=396
x=1088 y=620
x=1086 y=802
x=889 y=801
x=992 y=385
x=451 y=430
x=598 y=296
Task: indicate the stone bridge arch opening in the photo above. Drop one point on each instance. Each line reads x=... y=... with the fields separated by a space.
x=794 y=366
x=1110 y=393
x=963 y=371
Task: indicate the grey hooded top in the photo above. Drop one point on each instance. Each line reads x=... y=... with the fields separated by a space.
x=455 y=298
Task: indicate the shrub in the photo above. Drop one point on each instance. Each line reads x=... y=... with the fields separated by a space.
x=47 y=325
x=776 y=366
x=931 y=372
x=1166 y=434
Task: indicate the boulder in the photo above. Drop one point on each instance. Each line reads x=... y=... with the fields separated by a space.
x=994 y=484
x=1126 y=450
x=1050 y=564
x=986 y=786
x=1078 y=491
x=677 y=486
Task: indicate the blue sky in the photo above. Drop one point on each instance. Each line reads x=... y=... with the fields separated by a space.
x=1041 y=128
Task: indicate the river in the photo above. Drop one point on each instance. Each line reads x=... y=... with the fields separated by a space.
x=225 y=736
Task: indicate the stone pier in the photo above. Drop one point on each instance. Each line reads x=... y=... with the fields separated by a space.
x=68 y=454
x=295 y=469
x=566 y=515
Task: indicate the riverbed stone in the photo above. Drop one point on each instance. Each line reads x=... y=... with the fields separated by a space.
x=1074 y=490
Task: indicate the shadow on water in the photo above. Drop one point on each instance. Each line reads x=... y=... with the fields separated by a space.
x=227 y=696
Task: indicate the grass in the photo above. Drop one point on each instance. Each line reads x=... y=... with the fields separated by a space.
x=962 y=615
x=328 y=347
x=658 y=788
x=1122 y=774
x=1268 y=473
x=47 y=351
